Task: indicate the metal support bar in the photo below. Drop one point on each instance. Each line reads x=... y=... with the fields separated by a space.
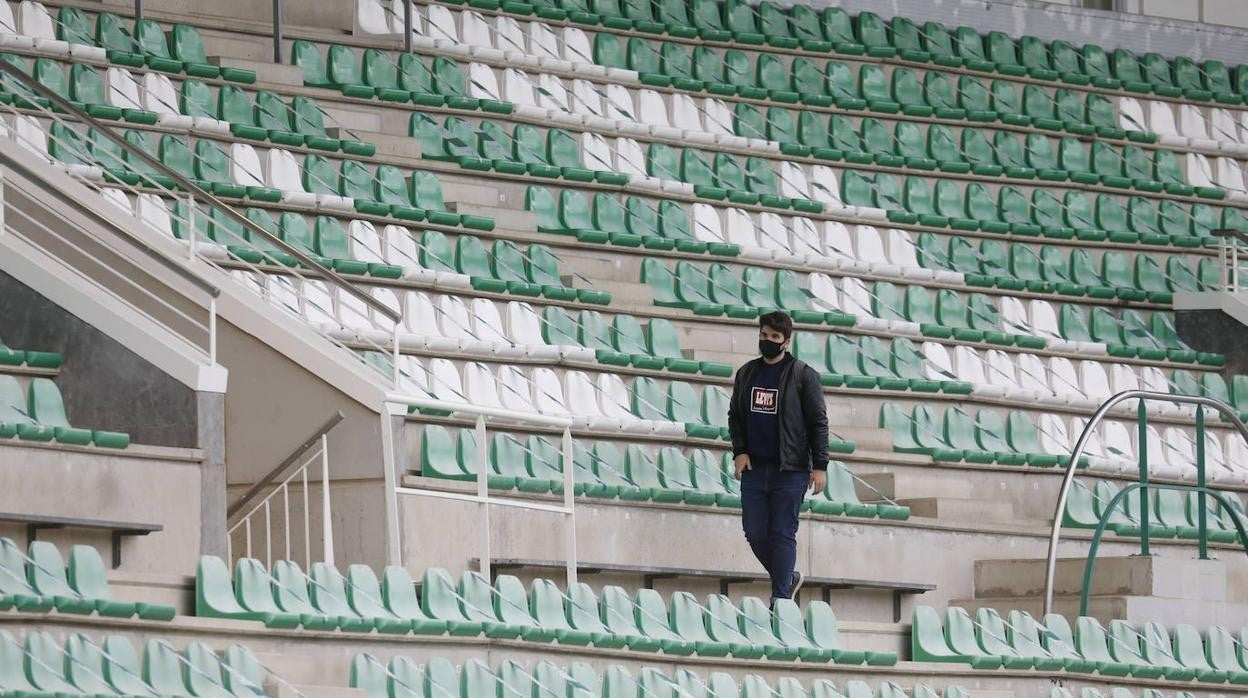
x=277 y=31
x=407 y=26
x=1202 y=523
x=1142 y=417
x=1227 y=412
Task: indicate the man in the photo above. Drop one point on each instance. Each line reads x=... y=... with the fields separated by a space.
x=779 y=427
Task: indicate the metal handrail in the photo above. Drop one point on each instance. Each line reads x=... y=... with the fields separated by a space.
x=276 y=472
x=1076 y=455
x=67 y=107
x=151 y=252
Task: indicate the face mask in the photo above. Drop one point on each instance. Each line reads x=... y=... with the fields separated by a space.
x=770 y=349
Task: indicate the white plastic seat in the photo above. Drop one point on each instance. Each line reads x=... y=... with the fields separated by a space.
x=613 y=397
x=1093 y=381
x=9 y=36
x=1014 y=316
x=576 y=48
x=855 y=297
x=116 y=197
x=583 y=398
x=440 y=24
x=1161 y=119
x=902 y=254
x=1119 y=447
x=481 y=387
x=445 y=382
x=1002 y=373
x=475 y=30
x=1054 y=437
x=413 y=378
x=1122 y=377
x=395 y=15
x=969 y=367
x=364 y=242
x=282 y=292
x=1226 y=129
x=870 y=248
x=518 y=88
x=1230 y=175
x=1094 y=447
x=804 y=239
x=524 y=326
x=123 y=91
x=1217 y=468
x=706 y=225
x=318 y=304
x=1044 y=320
x=515 y=390
x=29 y=134
x=488 y=322
x=739 y=225
x=793 y=181
x=1033 y=377
x=717 y=117
x=629 y=157
x=1195 y=127
x=618 y=106
x=824 y=295
x=1198 y=170
x=685 y=114
x=596 y=153
x=509 y=36
x=1180 y=452
x=937 y=364
x=34 y=21
x=151 y=209
x=454 y=319
x=282 y=172
x=548 y=395
x=371 y=17
x=551 y=94
x=586 y=98
x=1064 y=381
x=1237 y=456
x=354 y=315
x=400 y=247
x=837 y=242
x=245 y=166
x=421 y=322
x=825 y=189
x=543 y=42
x=773 y=238
x=482 y=82
x=160 y=97
x=651 y=109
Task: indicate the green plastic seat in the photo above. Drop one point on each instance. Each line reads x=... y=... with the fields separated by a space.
x=47 y=577
x=1000 y=49
x=874 y=88
x=843 y=86
x=1007 y=103
x=839 y=30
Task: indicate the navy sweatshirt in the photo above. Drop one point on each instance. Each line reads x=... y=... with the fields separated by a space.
x=762 y=424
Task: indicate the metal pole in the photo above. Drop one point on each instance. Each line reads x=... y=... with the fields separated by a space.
x=1 y=201
x=190 y=226
x=286 y=516
x=327 y=522
x=1142 y=418
x=407 y=26
x=277 y=31
x=394 y=546
x=307 y=520
x=138 y=13
x=483 y=495
x=1202 y=521
x=212 y=330
x=569 y=503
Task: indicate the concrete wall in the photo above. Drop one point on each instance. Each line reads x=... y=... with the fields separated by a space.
x=105 y=385
x=152 y=486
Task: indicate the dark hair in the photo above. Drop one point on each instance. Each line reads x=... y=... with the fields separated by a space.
x=778 y=321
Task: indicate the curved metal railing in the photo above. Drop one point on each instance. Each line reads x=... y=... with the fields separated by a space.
x=1077 y=454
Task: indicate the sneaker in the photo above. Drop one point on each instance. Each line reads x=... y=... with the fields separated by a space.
x=796 y=585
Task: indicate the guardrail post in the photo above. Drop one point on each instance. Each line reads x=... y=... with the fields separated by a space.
x=407 y=26
x=277 y=31
x=1142 y=417
x=483 y=493
x=569 y=503
x=1 y=201
x=327 y=522
x=1202 y=519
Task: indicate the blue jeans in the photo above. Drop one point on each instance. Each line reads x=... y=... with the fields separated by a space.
x=771 y=499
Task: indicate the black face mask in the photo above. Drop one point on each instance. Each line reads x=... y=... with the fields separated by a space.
x=770 y=349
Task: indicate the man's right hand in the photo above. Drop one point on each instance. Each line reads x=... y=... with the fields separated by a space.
x=741 y=464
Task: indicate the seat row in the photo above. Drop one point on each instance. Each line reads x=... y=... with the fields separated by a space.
x=37 y=413
x=38 y=581
x=701 y=478
x=403 y=678
x=40 y=665
x=324 y=599
x=988 y=641
x=29 y=358
x=143 y=44
x=1171 y=514
x=1216 y=130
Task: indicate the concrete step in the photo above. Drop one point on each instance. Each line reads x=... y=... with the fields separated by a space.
x=1138 y=610
x=303 y=691
x=458 y=193
x=1166 y=577
x=299 y=669
x=957 y=509
x=521 y=221
x=622 y=293
x=911 y=485
x=266 y=72
x=390 y=145
x=864 y=437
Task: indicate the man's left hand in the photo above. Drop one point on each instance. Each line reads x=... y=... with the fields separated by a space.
x=818 y=478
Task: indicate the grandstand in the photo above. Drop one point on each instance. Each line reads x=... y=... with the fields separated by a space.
x=384 y=348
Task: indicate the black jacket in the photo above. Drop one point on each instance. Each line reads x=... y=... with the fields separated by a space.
x=802 y=415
